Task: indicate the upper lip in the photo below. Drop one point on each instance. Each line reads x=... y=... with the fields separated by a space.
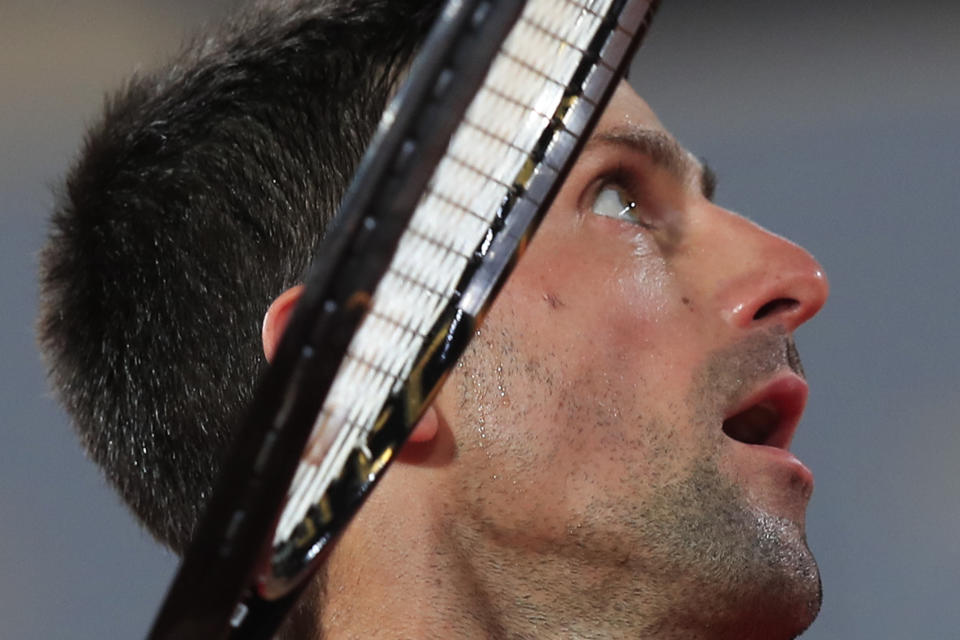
x=768 y=414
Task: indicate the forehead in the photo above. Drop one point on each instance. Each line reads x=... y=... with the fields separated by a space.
x=629 y=125
x=626 y=108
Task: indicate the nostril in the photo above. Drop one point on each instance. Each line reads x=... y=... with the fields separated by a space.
x=774 y=307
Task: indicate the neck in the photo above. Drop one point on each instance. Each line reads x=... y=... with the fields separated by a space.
x=417 y=563
x=451 y=582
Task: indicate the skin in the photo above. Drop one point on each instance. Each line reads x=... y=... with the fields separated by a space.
x=572 y=479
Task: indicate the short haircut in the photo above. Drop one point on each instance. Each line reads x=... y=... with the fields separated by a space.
x=200 y=195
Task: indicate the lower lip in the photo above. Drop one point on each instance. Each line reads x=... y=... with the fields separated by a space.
x=784 y=457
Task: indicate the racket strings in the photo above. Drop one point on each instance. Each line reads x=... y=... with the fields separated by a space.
x=522 y=91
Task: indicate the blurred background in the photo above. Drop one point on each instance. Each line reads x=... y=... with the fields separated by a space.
x=833 y=123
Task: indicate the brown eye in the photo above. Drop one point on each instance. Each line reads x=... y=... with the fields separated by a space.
x=613 y=202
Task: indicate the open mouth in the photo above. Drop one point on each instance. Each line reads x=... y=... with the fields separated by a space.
x=756 y=425
x=769 y=416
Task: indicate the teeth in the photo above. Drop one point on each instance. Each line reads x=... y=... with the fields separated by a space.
x=753 y=426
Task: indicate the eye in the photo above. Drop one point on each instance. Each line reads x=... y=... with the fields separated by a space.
x=613 y=202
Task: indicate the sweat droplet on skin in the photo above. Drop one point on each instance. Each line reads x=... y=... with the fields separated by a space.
x=504 y=400
x=480 y=397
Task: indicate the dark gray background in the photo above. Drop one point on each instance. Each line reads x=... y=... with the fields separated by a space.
x=833 y=123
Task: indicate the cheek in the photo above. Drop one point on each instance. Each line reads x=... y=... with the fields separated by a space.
x=604 y=299
x=540 y=442
x=578 y=375
x=528 y=421
x=624 y=306
x=571 y=358
x=596 y=280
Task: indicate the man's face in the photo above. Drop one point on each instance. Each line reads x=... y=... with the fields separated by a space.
x=590 y=414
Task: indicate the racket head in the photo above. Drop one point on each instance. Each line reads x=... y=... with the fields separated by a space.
x=239 y=554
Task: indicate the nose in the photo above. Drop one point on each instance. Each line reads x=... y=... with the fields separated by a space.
x=764 y=279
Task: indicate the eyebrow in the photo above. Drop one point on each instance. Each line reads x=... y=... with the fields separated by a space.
x=663 y=150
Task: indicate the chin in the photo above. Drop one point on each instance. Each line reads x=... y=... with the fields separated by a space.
x=785 y=595
x=776 y=624
x=751 y=574
x=780 y=612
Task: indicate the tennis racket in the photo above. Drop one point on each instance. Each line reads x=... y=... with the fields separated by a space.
x=466 y=161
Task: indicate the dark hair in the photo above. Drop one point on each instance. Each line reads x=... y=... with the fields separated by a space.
x=201 y=194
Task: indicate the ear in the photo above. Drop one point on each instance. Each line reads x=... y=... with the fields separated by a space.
x=275 y=321
x=430 y=443
x=276 y=318
x=426 y=428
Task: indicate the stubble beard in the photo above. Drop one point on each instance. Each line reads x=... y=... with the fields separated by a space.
x=693 y=559
x=747 y=573
x=721 y=567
